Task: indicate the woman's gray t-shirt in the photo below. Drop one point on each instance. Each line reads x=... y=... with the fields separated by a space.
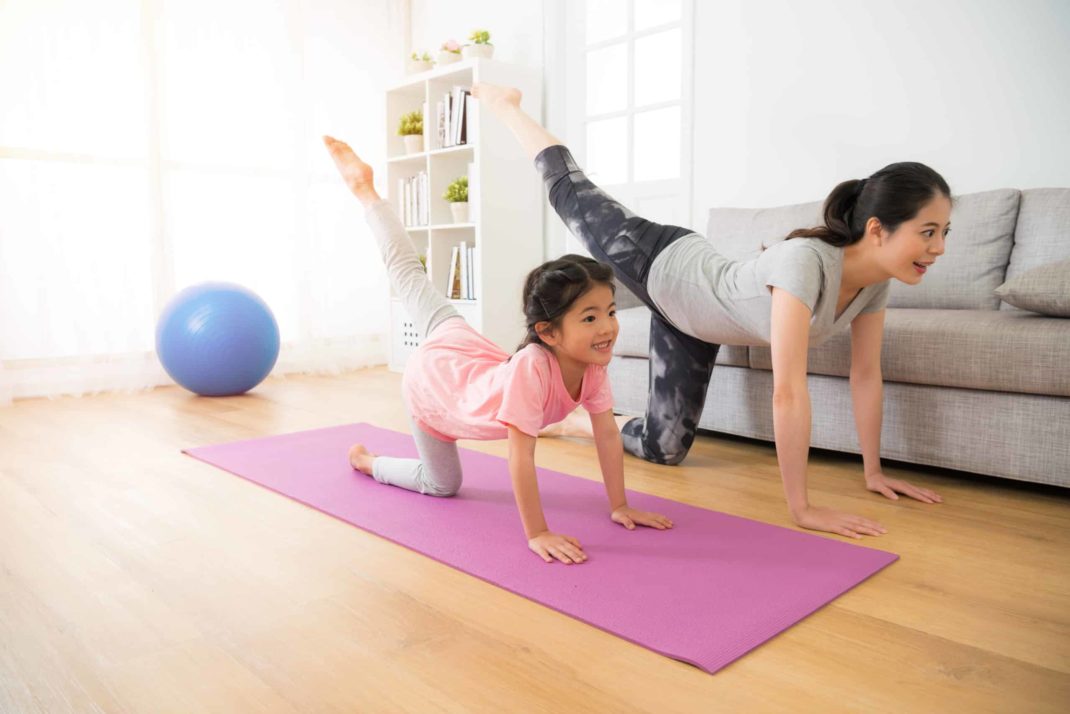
x=729 y=302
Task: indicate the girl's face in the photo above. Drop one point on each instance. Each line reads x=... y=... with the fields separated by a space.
x=589 y=328
x=908 y=252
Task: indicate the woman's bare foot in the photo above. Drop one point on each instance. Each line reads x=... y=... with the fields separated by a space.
x=496 y=97
x=578 y=423
x=361 y=459
x=357 y=174
x=504 y=103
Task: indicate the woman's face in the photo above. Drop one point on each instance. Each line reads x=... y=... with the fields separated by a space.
x=911 y=249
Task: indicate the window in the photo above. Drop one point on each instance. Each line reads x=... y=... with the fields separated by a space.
x=628 y=101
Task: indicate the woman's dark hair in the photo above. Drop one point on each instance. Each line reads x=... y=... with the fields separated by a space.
x=552 y=288
x=893 y=195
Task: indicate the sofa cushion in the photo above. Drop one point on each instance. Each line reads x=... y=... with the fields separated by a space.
x=1043 y=231
x=1044 y=289
x=975 y=259
x=975 y=349
x=634 y=339
x=741 y=233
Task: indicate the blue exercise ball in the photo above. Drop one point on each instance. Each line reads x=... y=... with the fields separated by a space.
x=217 y=339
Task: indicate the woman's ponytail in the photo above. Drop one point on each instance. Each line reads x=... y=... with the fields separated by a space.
x=893 y=195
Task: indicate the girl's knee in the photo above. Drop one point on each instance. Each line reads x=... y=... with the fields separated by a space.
x=443 y=491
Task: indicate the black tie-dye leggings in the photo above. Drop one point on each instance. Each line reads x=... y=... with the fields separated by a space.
x=680 y=365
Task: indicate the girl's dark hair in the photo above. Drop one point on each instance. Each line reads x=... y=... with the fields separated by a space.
x=893 y=195
x=552 y=288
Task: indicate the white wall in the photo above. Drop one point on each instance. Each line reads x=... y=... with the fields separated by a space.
x=791 y=98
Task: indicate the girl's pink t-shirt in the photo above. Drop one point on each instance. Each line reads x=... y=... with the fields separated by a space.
x=460 y=385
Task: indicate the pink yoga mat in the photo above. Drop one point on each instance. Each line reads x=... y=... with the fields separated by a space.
x=706 y=592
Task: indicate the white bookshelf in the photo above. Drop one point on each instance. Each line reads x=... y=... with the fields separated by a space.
x=505 y=198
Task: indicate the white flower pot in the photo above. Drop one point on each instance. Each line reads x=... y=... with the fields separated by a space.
x=447 y=57
x=414 y=66
x=414 y=143
x=484 y=51
x=460 y=211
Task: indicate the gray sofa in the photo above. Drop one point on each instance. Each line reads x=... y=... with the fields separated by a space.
x=971 y=382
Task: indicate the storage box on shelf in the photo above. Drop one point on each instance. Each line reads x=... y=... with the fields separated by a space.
x=504 y=200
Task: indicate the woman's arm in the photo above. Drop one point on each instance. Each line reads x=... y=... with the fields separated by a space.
x=867 y=395
x=545 y=544
x=789 y=340
x=867 y=386
x=611 y=458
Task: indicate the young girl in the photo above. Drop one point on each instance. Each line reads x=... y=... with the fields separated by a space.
x=460 y=385
x=798 y=293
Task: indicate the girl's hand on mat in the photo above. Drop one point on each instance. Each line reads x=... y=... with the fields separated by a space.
x=630 y=518
x=830 y=521
x=890 y=487
x=551 y=545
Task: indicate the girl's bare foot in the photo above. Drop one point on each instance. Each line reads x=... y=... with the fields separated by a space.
x=361 y=459
x=357 y=174
x=496 y=97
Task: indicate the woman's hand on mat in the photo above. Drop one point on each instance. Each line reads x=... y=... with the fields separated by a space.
x=357 y=174
x=630 y=518
x=891 y=487
x=565 y=548
x=830 y=521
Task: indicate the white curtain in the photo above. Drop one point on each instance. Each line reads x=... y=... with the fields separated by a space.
x=148 y=145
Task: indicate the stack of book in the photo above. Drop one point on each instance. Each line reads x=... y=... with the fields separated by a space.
x=451 y=118
x=414 y=194
x=462 y=281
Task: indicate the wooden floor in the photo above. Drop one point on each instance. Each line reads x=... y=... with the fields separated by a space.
x=136 y=579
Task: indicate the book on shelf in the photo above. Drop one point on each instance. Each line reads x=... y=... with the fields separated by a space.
x=472 y=273
x=415 y=200
x=453 y=284
x=465 y=275
x=461 y=284
x=451 y=118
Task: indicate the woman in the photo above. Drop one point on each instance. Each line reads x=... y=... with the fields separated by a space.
x=796 y=294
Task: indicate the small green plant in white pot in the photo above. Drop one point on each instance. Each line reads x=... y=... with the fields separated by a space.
x=480 y=47
x=419 y=62
x=449 y=53
x=411 y=130
x=457 y=195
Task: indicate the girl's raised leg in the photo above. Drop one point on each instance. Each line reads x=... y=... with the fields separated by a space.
x=425 y=306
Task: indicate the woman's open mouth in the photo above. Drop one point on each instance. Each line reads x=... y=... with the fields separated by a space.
x=921 y=267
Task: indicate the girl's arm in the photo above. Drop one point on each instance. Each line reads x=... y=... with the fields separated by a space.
x=789 y=340
x=611 y=458
x=545 y=544
x=867 y=395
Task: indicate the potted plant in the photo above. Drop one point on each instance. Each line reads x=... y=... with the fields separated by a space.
x=480 y=47
x=419 y=63
x=449 y=53
x=457 y=195
x=411 y=130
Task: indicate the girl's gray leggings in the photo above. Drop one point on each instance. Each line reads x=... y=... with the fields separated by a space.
x=438 y=470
